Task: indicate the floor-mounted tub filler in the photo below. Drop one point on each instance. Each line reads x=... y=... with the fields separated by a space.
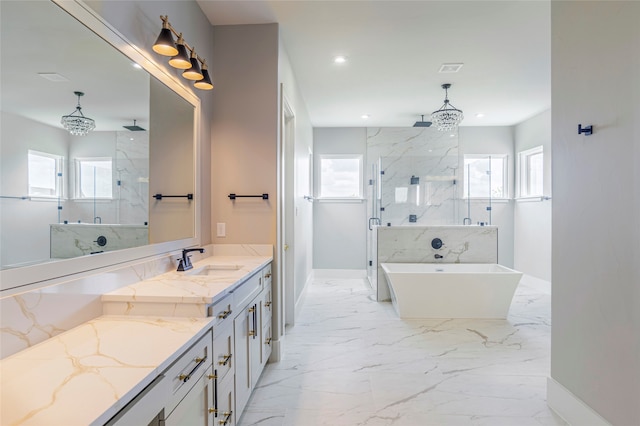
x=451 y=290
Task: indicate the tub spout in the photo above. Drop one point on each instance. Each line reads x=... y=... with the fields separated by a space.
x=438 y=256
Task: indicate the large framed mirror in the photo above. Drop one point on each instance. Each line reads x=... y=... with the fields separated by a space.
x=72 y=203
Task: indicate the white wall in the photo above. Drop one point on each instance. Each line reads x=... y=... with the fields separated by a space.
x=303 y=209
x=595 y=348
x=532 y=218
x=339 y=228
x=491 y=140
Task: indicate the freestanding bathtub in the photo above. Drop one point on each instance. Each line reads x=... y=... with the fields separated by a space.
x=451 y=290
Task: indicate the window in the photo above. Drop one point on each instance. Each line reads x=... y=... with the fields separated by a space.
x=45 y=174
x=531 y=164
x=94 y=178
x=340 y=176
x=485 y=176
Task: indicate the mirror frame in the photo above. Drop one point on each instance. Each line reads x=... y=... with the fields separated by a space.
x=17 y=280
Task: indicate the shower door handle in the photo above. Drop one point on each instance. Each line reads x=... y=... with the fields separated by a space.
x=376 y=221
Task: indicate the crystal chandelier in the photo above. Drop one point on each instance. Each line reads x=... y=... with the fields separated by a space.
x=76 y=123
x=447 y=117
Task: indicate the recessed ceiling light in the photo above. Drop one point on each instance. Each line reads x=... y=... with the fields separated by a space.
x=449 y=68
x=365 y=116
x=479 y=115
x=340 y=59
x=53 y=76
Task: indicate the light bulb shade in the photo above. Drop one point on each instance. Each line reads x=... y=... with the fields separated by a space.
x=165 y=45
x=181 y=59
x=193 y=73
x=205 y=83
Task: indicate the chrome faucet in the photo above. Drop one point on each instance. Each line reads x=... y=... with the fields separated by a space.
x=184 y=263
x=97 y=219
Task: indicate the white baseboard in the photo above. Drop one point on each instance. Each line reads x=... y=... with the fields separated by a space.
x=571 y=408
x=340 y=273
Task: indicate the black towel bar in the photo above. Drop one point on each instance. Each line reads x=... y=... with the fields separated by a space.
x=160 y=196
x=234 y=196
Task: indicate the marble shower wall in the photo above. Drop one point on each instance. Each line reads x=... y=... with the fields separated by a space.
x=412 y=244
x=418 y=171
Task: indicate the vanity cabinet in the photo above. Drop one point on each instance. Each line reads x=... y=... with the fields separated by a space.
x=250 y=326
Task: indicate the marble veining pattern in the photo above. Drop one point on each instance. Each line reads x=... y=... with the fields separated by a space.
x=87 y=374
x=79 y=239
x=349 y=361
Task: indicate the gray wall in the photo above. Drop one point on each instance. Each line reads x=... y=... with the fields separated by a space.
x=595 y=350
x=532 y=218
x=339 y=227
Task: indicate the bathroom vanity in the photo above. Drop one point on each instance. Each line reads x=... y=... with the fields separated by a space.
x=179 y=348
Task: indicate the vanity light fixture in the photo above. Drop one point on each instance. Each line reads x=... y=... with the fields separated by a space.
x=447 y=117
x=76 y=123
x=180 y=56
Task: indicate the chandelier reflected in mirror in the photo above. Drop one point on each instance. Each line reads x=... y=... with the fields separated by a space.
x=76 y=122
x=447 y=117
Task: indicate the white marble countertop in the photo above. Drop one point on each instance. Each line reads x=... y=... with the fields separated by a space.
x=188 y=287
x=87 y=374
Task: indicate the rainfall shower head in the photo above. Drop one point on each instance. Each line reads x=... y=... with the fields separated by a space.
x=422 y=123
x=136 y=128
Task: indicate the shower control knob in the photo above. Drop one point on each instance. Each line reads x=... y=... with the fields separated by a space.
x=436 y=243
x=101 y=241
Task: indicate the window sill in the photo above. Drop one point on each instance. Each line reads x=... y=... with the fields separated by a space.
x=339 y=200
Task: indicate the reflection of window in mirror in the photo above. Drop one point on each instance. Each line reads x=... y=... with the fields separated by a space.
x=94 y=177
x=45 y=174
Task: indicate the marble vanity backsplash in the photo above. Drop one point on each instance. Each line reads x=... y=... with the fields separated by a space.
x=34 y=316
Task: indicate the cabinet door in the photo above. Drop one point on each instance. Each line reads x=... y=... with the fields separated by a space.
x=266 y=344
x=242 y=324
x=225 y=402
x=194 y=408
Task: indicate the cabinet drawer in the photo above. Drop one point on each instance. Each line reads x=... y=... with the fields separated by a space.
x=183 y=374
x=223 y=357
x=222 y=311
x=225 y=402
x=244 y=293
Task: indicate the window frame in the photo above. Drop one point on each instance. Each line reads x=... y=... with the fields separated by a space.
x=58 y=177
x=505 y=176
x=524 y=172
x=78 y=178
x=319 y=175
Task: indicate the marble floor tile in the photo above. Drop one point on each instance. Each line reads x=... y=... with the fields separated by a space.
x=351 y=361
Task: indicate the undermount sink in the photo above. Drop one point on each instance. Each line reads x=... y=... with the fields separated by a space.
x=214 y=269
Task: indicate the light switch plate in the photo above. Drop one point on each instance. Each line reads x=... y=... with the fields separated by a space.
x=221 y=229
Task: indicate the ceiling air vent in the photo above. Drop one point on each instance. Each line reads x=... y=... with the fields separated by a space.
x=449 y=68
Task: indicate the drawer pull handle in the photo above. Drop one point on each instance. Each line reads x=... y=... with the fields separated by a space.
x=224 y=314
x=212 y=376
x=267 y=304
x=252 y=309
x=267 y=341
x=213 y=411
x=267 y=275
x=227 y=417
x=185 y=378
x=225 y=360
